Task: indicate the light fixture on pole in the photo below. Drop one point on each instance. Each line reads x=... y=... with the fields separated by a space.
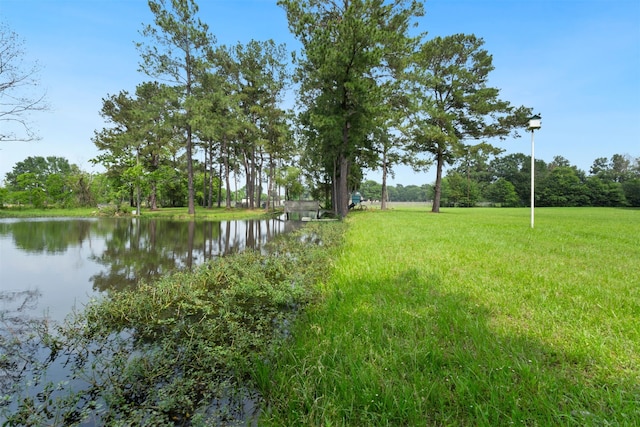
x=534 y=123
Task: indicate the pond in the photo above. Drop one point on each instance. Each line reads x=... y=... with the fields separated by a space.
x=49 y=267
x=61 y=263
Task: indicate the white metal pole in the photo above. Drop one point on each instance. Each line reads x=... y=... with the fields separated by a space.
x=532 y=179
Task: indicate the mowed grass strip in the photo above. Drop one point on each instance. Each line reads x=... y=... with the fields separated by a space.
x=181 y=213
x=469 y=317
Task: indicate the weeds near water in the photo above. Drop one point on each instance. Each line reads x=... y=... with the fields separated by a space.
x=180 y=351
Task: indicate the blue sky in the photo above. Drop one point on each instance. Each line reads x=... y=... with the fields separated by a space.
x=576 y=62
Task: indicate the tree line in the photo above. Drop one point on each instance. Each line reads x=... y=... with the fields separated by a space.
x=506 y=181
x=48 y=181
x=500 y=181
x=54 y=182
x=372 y=92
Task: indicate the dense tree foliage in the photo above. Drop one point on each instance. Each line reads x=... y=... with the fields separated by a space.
x=351 y=51
x=222 y=101
x=47 y=181
x=136 y=149
x=614 y=182
x=263 y=138
x=501 y=181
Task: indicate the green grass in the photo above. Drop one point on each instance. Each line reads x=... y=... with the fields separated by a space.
x=210 y=214
x=173 y=213
x=469 y=317
x=28 y=212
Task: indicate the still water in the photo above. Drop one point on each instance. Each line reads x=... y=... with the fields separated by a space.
x=49 y=266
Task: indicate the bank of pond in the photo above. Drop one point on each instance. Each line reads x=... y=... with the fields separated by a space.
x=165 y=330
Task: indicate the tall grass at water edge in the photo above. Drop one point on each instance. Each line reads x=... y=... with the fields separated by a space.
x=470 y=317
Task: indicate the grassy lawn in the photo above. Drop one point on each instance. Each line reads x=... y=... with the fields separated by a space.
x=173 y=213
x=472 y=318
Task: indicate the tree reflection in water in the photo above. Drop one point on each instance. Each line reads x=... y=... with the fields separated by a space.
x=145 y=249
x=122 y=252
x=20 y=337
x=133 y=249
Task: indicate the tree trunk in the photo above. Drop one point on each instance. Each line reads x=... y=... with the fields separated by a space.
x=258 y=187
x=438 y=186
x=249 y=179
x=334 y=188
x=227 y=174
x=342 y=190
x=153 y=197
x=190 y=189
x=383 y=201
x=270 y=190
x=204 y=180
x=138 y=197
x=259 y=171
x=220 y=171
x=210 y=204
x=343 y=187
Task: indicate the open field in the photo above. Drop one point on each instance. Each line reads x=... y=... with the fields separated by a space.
x=469 y=317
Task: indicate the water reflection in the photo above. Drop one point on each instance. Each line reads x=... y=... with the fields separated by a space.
x=147 y=249
x=50 y=266
x=19 y=340
x=67 y=260
x=46 y=236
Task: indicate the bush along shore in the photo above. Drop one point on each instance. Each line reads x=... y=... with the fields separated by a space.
x=180 y=351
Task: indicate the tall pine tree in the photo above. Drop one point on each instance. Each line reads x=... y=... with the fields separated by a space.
x=350 y=49
x=179 y=50
x=453 y=102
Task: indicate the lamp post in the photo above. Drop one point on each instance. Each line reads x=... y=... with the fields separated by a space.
x=534 y=123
